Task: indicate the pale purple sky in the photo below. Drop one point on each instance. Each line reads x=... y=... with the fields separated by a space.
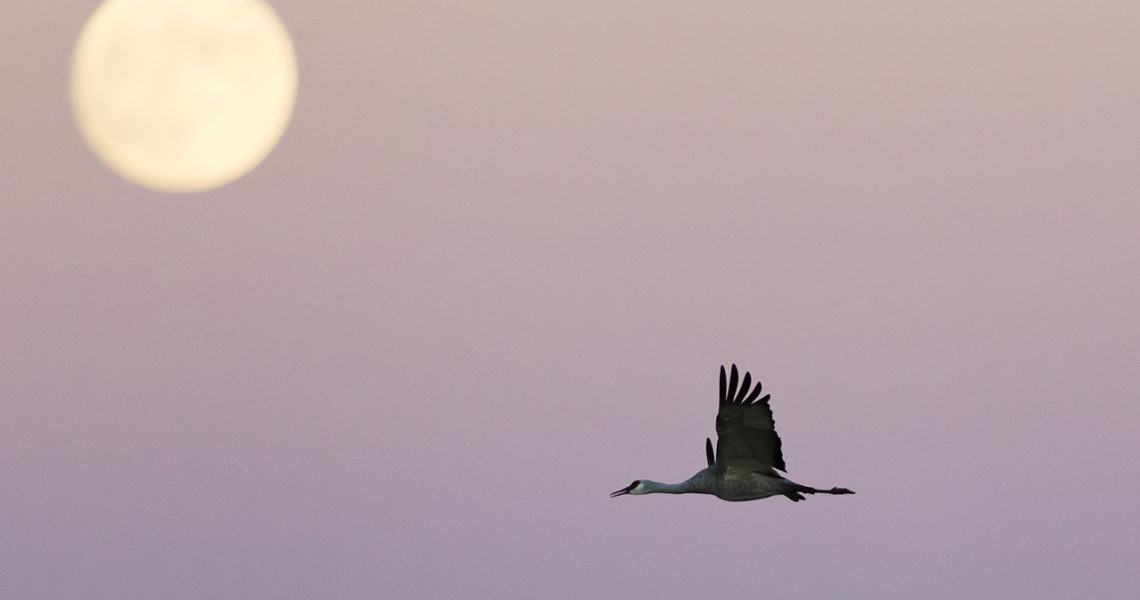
x=490 y=273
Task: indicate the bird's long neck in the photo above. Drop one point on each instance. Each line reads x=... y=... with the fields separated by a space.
x=656 y=487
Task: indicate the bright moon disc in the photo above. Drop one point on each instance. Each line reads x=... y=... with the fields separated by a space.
x=183 y=95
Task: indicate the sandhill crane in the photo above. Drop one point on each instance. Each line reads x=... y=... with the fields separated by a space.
x=747 y=453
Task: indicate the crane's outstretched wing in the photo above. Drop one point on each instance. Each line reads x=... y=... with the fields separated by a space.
x=746 y=432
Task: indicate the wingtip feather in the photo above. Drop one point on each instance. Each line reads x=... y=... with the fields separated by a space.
x=732 y=381
x=744 y=385
x=755 y=393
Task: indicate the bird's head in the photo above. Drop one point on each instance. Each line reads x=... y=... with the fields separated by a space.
x=635 y=488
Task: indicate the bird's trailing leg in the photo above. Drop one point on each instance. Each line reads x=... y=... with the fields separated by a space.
x=797 y=494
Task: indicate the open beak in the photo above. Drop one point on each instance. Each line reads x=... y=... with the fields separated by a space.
x=623 y=491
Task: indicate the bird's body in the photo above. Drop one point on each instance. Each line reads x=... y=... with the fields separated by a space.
x=748 y=454
x=733 y=486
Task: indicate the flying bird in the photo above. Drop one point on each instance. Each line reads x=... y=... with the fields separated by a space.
x=747 y=456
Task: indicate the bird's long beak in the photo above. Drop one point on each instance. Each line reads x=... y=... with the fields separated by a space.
x=623 y=491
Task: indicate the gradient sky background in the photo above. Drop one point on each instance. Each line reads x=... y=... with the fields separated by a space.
x=490 y=273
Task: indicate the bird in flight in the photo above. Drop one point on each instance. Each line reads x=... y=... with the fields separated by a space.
x=747 y=455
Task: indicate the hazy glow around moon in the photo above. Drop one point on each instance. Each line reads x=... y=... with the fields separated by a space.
x=183 y=95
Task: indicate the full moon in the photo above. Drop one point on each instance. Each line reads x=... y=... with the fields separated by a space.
x=183 y=95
